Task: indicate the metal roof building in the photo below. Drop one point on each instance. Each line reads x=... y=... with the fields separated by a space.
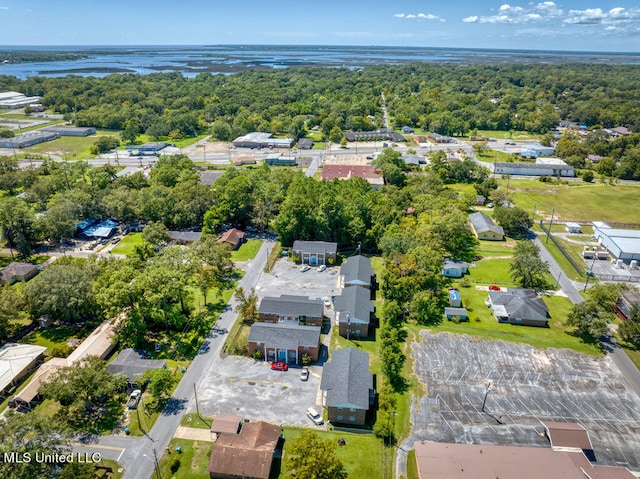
x=28 y=139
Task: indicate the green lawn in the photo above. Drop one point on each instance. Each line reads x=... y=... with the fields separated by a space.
x=70 y=147
x=361 y=456
x=127 y=245
x=567 y=268
x=53 y=336
x=193 y=458
x=192 y=419
x=247 y=251
x=490 y=156
x=412 y=465
x=578 y=201
x=517 y=135
x=181 y=143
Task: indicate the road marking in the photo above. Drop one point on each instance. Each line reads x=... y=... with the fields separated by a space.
x=118 y=460
x=98 y=446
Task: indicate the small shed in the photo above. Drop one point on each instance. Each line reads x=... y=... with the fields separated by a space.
x=454 y=269
x=226 y=423
x=572 y=227
x=455 y=300
x=451 y=313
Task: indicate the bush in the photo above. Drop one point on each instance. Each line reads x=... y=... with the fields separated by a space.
x=306 y=359
x=464 y=282
x=587 y=176
x=175 y=465
x=61 y=350
x=257 y=355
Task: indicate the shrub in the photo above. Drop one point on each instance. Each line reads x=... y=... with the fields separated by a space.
x=60 y=350
x=306 y=359
x=175 y=465
x=257 y=355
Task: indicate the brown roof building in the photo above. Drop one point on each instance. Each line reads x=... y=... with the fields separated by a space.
x=234 y=237
x=481 y=461
x=17 y=272
x=567 y=435
x=344 y=172
x=248 y=454
x=226 y=423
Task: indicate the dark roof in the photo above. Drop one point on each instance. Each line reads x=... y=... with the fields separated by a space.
x=16 y=269
x=482 y=223
x=355 y=300
x=412 y=159
x=357 y=270
x=567 y=434
x=315 y=247
x=209 y=177
x=226 y=423
x=248 y=454
x=132 y=364
x=232 y=236
x=347 y=379
x=285 y=335
x=186 y=236
x=291 y=305
x=305 y=144
x=533 y=166
x=455 y=311
x=521 y=303
x=455 y=264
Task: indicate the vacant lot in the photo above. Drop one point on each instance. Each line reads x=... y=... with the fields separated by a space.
x=528 y=386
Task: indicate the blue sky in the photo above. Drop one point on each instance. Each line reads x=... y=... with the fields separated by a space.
x=597 y=25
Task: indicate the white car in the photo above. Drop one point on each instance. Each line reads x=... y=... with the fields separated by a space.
x=327 y=302
x=322 y=268
x=304 y=269
x=315 y=416
x=304 y=374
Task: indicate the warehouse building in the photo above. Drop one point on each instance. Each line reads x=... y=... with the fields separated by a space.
x=28 y=139
x=12 y=100
x=622 y=244
x=70 y=130
x=261 y=140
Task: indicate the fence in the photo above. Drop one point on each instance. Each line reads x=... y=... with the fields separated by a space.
x=615 y=277
x=579 y=269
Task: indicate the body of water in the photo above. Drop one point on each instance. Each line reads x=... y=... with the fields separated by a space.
x=192 y=60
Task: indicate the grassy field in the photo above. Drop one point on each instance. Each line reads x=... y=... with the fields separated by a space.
x=515 y=135
x=70 y=147
x=361 y=456
x=567 y=268
x=127 y=245
x=181 y=143
x=192 y=419
x=491 y=156
x=247 y=251
x=578 y=201
x=412 y=465
x=193 y=459
x=53 y=336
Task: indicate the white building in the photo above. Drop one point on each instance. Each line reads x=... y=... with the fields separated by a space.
x=542 y=167
x=622 y=244
x=12 y=100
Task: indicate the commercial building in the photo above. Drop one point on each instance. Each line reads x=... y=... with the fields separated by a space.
x=261 y=140
x=12 y=100
x=621 y=244
x=28 y=139
x=70 y=130
x=315 y=252
x=284 y=342
x=290 y=308
x=345 y=172
x=147 y=148
x=278 y=159
x=348 y=386
x=535 y=150
x=355 y=313
x=383 y=134
x=542 y=167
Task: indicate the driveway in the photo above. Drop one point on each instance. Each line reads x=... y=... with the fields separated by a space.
x=528 y=386
x=250 y=389
x=286 y=278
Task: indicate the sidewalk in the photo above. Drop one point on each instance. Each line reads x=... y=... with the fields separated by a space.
x=194 y=434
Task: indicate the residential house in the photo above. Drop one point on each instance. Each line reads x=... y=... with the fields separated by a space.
x=284 y=342
x=133 y=364
x=480 y=200
x=627 y=304
x=407 y=130
x=209 y=177
x=233 y=237
x=247 y=455
x=454 y=269
x=484 y=227
x=305 y=144
x=357 y=271
x=348 y=386
x=16 y=271
x=413 y=160
x=17 y=361
x=354 y=312
x=184 y=237
x=461 y=313
x=519 y=306
x=288 y=308
x=315 y=252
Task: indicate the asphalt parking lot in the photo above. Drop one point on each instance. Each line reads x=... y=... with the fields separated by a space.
x=528 y=386
x=286 y=278
x=250 y=389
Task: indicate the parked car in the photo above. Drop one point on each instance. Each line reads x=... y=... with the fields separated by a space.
x=315 y=416
x=304 y=374
x=493 y=287
x=115 y=239
x=321 y=268
x=304 y=268
x=134 y=399
x=280 y=366
x=327 y=302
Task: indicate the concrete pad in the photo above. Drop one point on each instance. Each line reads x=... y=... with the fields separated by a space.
x=528 y=385
x=194 y=434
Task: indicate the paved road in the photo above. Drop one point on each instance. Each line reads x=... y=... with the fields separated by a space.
x=136 y=455
x=572 y=288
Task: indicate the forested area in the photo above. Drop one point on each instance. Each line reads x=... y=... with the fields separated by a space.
x=448 y=99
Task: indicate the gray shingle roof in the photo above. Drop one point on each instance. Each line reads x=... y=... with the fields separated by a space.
x=187 y=236
x=16 y=269
x=521 y=303
x=315 y=247
x=454 y=264
x=455 y=311
x=285 y=335
x=357 y=302
x=357 y=270
x=347 y=379
x=290 y=305
x=131 y=364
x=482 y=223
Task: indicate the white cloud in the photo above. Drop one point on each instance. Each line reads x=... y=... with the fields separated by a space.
x=533 y=13
x=4 y=8
x=419 y=16
x=596 y=16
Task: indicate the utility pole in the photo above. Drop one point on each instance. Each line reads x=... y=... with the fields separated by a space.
x=195 y=392
x=551 y=224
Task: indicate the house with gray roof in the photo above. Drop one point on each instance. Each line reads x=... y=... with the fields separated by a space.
x=288 y=308
x=454 y=269
x=184 y=237
x=348 y=386
x=519 y=306
x=133 y=364
x=357 y=271
x=284 y=342
x=315 y=252
x=16 y=271
x=355 y=312
x=484 y=227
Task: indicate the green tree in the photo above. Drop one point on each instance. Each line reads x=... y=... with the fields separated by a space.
x=310 y=457
x=336 y=135
x=104 y=144
x=17 y=225
x=588 y=320
x=247 y=305
x=629 y=330
x=11 y=309
x=527 y=269
x=89 y=395
x=62 y=292
x=515 y=221
x=221 y=130
x=155 y=233
x=160 y=382
x=425 y=308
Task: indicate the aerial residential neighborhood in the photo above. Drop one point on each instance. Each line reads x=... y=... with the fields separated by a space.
x=277 y=262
